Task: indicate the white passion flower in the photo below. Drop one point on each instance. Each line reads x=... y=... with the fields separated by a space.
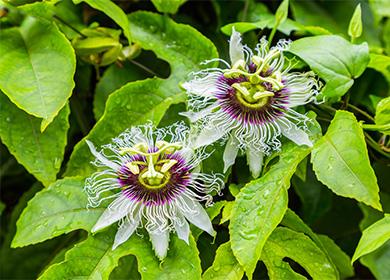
x=249 y=104
x=151 y=174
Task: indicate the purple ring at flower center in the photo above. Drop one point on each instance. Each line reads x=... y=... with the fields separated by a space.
x=133 y=189
x=229 y=103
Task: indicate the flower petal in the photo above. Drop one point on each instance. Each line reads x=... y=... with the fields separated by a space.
x=205 y=86
x=102 y=158
x=255 y=161
x=115 y=211
x=200 y=218
x=295 y=134
x=182 y=228
x=195 y=116
x=125 y=231
x=208 y=136
x=236 y=50
x=230 y=153
x=160 y=242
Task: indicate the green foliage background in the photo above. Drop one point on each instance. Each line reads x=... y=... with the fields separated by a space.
x=72 y=71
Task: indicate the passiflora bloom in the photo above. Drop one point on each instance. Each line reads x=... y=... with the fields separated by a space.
x=151 y=176
x=249 y=104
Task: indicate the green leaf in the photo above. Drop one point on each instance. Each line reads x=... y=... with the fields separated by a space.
x=378 y=262
x=373 y=237
x=227 y=211
x=98 y=259
x=13 y=261
x=335 y=60
x=32 y=58
x=59 y=209
x=355 y=27
x=111 y=10
x=113 y=78
x=337 y=258
x=340 y=161
x=382 y=115
x=147 y=100
x=284 y=242
x=168 y=6
x=380 y=63
x=335 y=17
x=266 y=21
x=225 y=265
x=282 y=12
x=261 y=205
x=40 y=153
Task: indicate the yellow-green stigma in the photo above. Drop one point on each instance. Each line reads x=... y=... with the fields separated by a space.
x=156 y=173
x=252 y=93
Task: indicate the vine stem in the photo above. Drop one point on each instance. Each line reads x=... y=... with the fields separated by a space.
x=360 y=111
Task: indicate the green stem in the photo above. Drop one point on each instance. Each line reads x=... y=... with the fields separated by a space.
x=272 y=34
x=360 y=111
x=371 y=142
x=376 y=127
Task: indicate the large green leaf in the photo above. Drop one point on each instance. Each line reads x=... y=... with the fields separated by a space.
x=340 y=161
x=40 y=153
x=37 y=64
x=337 y=258
x=113 y=78
x=380 y=63
x=283 y=243
x=378 y=262
x=373 y=237
x=335 y=17
x=225 y=265
x=168 y=6
x=113 y=11
x=382 y=115
x=98 y=259
x=261 y=205
x=141 y=101
x=334 y=59
x=13 y=261
x=59 y=209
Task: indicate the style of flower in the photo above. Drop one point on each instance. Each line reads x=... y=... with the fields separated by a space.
x=152 y=176
x=249 y=104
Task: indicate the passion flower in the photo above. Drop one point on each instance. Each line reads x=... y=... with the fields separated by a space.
x=249 y=104
x=150 y=174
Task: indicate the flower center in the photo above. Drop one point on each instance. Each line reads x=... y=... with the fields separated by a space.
x=156 y=172
x=257 y=87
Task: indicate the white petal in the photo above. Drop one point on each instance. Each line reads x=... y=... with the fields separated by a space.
x=200 y=218
x=208 y=136
x=195 y=116
x=182 y=229
x=230 y=153
x=295 y=134
x=206 y=86
x=125 y=231
x=101 y=158
x=255 y=161
x=236 y=50
x=160 y=242
x=116 y=211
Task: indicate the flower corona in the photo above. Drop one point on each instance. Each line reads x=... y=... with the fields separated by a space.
x=249 y=104
x=150 y=173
